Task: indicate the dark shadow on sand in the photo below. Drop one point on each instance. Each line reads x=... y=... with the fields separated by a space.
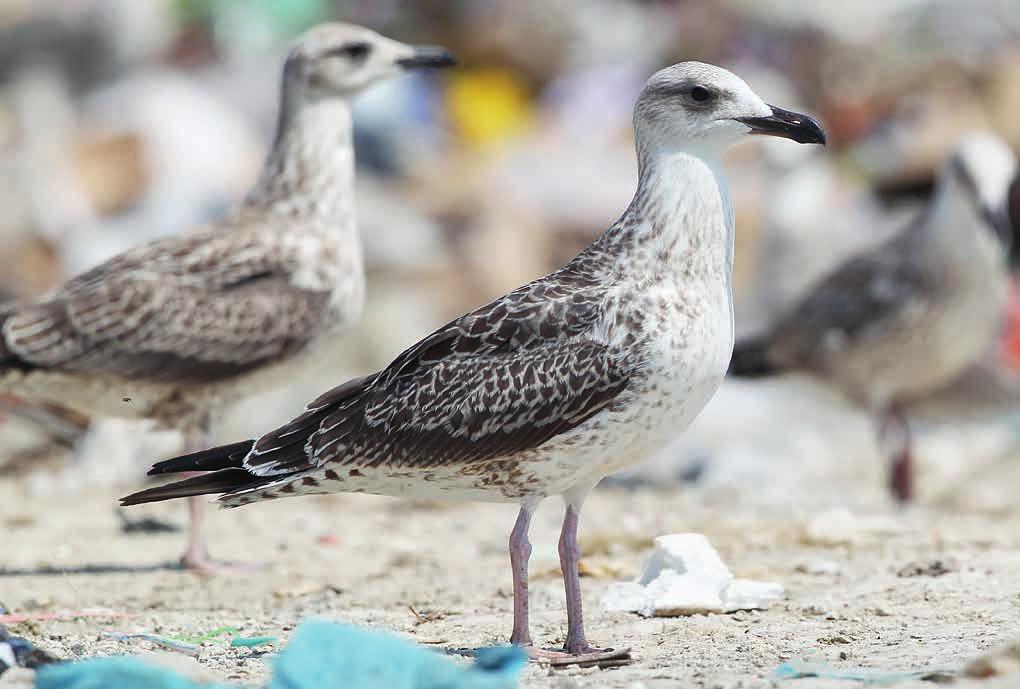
x=49 y=571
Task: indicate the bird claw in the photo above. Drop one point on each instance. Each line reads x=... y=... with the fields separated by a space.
x=587 y=657
x=202 y=564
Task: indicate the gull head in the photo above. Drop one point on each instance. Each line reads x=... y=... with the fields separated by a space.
x=698 y=107
x=982 y=169
x=340 y=60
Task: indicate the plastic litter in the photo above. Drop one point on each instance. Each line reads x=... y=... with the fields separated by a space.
x=191 y=645
x=685 y=576
x=162 y=642
x=18 y=652
x=867 y=675
x=321 y=655
x=252 y=641
x=121 y=672
x=208 y=636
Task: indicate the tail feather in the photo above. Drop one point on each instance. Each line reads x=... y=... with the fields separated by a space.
x=9 y=359
x=214 y=483
x=214 y=459
x=751 y=359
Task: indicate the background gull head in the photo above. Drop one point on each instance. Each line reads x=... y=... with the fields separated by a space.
x=341 y=60
x=980 y=171
x=697 y=106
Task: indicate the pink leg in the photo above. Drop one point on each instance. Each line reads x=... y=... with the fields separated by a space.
x=520 y=551
x=570 y=557
x=196 y=557
x=894 y=432
x=576 y=650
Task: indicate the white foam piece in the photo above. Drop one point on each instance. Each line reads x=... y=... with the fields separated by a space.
x=685 y=575
x=746 y=594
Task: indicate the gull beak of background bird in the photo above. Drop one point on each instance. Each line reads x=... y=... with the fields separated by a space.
x=1001 y=222
x=789 y=125
x=1013 y=212
x=1005 y=217
x=993 y=208
x=427 y=56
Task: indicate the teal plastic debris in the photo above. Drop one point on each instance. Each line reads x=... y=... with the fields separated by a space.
x=865 y=675
x=163 y=642
x=321 y=655
x=118 y=672
x=252 y=641
x=208 y=636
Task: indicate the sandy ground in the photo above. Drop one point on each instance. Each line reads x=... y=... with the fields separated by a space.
x=872 y=592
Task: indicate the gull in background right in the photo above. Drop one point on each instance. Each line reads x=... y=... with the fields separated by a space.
x=907 y=317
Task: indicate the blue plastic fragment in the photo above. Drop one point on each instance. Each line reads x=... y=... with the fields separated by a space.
x=19 y=645
x=121 y=672
x=252 y=641
x=873 y=676
x=324 y=655
x=321 y=655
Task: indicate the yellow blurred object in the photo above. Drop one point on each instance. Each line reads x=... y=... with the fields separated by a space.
x=488 y=106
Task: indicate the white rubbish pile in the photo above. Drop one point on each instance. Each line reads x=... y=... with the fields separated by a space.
x=686 y=576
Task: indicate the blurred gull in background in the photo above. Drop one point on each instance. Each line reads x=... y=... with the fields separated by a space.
x=174 y=329
x=908 y=317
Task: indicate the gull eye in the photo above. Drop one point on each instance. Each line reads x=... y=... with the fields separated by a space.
x=700 y=94
x=354 y=51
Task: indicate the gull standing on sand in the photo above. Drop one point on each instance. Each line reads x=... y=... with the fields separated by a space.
x=174 y=329
x=905 y=318
x=549 y=388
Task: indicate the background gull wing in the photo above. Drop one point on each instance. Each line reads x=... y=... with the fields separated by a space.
x=856 y=303
x=193 y=308
x=504 y=378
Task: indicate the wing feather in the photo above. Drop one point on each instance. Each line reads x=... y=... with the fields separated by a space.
x=503 y=379
x=854 y=304
x=192 y=308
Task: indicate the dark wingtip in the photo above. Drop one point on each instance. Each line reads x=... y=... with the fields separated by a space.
x=215 y=458
x=213 y=483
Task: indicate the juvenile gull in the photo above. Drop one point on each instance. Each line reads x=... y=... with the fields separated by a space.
x=549 y=388
x=173 y=329
x=907 y=317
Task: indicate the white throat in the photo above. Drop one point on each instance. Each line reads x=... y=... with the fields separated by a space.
x=682 y=209
x=309 y=173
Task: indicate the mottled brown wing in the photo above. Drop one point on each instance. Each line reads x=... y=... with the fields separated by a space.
x=188 y=309
x=502 y=379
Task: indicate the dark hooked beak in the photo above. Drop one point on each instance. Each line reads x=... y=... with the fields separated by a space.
x=428 y=56
x=789 y=125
